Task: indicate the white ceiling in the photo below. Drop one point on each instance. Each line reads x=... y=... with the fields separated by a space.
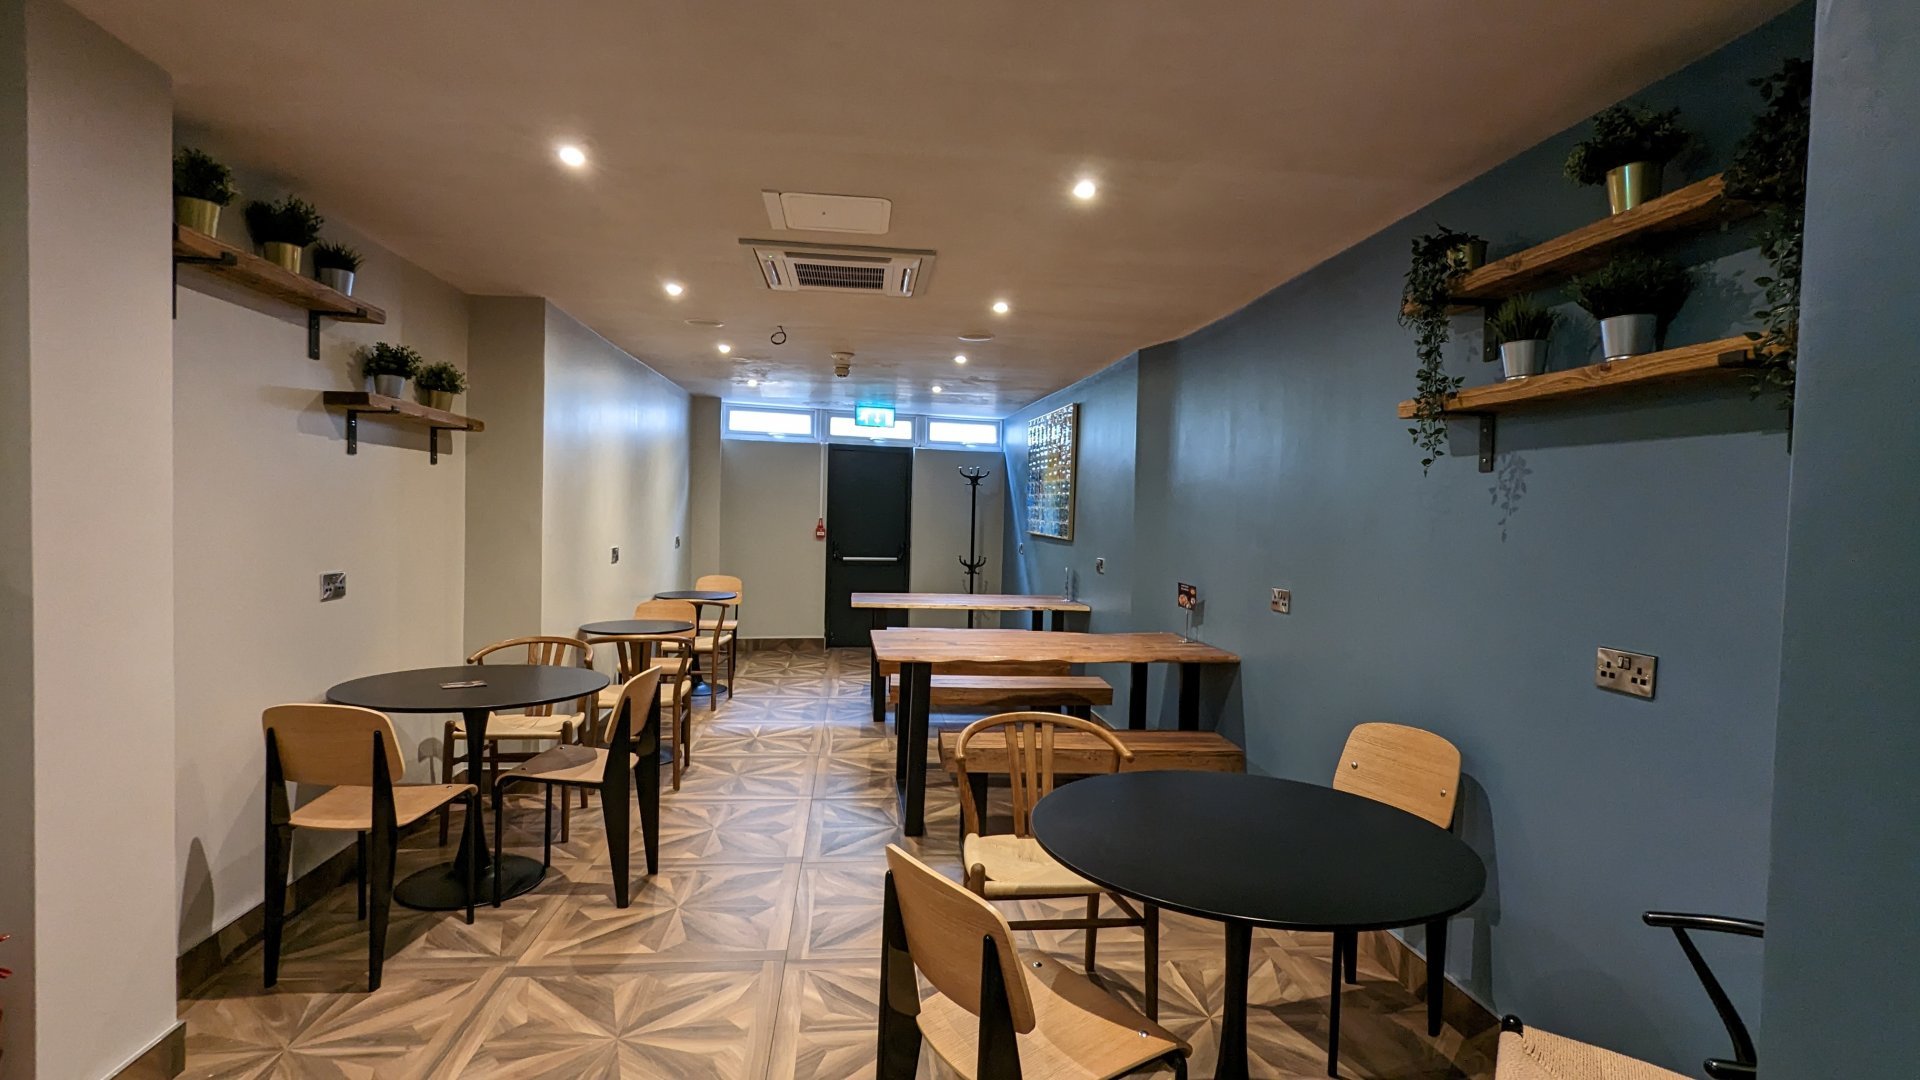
x=1236 y=144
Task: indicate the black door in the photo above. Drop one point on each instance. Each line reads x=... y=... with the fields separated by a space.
x=869 y=513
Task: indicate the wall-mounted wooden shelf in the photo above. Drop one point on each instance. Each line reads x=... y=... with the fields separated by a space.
x=400 y=410
x=1689 y=362
x=268 y=278
x=1699 y=203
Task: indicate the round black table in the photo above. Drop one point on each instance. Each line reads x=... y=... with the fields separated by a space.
x=635 y=628
x=1257 y=851
x=701 y=598
x=508 y=686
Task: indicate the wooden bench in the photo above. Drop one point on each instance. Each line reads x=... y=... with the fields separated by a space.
x=1076 y=753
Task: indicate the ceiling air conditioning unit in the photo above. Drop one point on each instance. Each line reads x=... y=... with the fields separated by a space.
x=796 y=267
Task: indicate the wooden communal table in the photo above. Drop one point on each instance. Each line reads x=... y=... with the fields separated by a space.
x=884 y=604
x=917 y=651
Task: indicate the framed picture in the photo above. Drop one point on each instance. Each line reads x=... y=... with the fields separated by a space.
x=1052 y=450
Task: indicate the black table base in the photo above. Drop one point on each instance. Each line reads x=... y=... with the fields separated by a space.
x=444 y=887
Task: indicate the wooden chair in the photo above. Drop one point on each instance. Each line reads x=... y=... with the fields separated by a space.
x=675 y=654
x=1532 y=1054
x=1012 y=866
x=997 y=1014
x=721 y=633
x=353 y=753
x=537 y=723
x=1405 y=767
x=625 y=763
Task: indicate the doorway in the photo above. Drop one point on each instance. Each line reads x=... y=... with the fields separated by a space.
x=869 y=521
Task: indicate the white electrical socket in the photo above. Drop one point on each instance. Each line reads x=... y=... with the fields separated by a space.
x=333 y=585
x=1624 y=672
x=1282 y=601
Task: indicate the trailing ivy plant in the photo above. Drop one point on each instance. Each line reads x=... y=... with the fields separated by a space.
x=1423 y=309
x=1770 y=169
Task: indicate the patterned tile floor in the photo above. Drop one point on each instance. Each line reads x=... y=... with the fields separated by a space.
x=752 y=954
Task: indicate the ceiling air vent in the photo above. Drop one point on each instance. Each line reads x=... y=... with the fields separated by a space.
x=829 y=268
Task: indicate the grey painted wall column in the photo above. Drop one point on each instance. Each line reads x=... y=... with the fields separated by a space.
x=1841 y=985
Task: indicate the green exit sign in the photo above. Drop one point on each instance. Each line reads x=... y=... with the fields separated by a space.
x=880 y=416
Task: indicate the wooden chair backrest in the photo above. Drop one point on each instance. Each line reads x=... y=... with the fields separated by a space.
x=547 y=650
x=1402 y=766
x=330 y=745
x=1030 y=741
x=679 y=610
x=722 y=583
x=637 y=695
x=673 y=651
x=946 y=926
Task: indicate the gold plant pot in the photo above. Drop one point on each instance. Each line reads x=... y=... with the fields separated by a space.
x=1630 y=185
x=200 y=215
x=1470 y=255
x=286 y=256
x=440 y=399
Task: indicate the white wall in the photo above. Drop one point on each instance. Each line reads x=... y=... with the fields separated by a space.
x=266 y=500
x=616 y=469
x=939 y=530
x=96 y=951
x=769 y=501
x=505 y=466
x=705 y=474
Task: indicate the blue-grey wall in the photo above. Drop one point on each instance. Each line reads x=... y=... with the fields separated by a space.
x=1843 y=943
x=1268 y=453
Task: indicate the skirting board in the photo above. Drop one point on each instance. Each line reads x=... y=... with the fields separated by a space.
x=1460 y=1010
x=200 y=962
x=164 y=1060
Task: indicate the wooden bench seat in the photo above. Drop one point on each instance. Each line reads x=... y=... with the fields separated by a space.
x=1010 y=691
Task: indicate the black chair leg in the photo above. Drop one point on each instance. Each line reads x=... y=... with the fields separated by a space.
x=614 y=810
x=383 y=851
x=1093 y=932
x=360 y=872
x=472 y=835
x=546 y=832
x=1179 y=1062
x=646 y=785
x=279 y=855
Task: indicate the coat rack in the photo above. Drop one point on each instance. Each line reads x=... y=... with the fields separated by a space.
x=973 y=561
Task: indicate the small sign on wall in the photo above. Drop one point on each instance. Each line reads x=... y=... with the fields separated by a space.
x=1189 y=595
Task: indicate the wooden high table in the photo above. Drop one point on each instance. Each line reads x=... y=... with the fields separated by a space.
x=883 y=603
x=916 y=651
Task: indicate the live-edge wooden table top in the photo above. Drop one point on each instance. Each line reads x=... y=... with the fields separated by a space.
x=942 y=601
x=937 y=646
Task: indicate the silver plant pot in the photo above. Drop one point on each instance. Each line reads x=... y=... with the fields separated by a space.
x=340 y=281
x=1627 y=335
x=1519 y=359
x=393 y=386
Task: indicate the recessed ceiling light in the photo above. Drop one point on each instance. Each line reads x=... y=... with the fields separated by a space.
x=936 y=388
x=571 y=156
x=674 y=288
x=724 y=348
x=708 y=324
x=1001 y=307
x=976 y=335
x=959 y=358
x=1085 y=190
x=753 y=382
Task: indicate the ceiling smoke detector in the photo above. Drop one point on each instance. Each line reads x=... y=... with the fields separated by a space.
x=795 y=267
x=842 y=364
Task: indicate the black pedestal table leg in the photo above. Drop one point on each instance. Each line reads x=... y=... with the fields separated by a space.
x=919 y=676
x=475 y=721
x=444 y=887
x=1038 y=623
x=1436 y=973
x=1189 y=697
x=876 y=682
x=1233 y=1020
x=1137 y=698
x=1333 y=1005
x=1350 y=950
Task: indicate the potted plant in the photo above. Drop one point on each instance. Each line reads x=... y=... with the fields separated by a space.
x=1634 y=297
x=1521 y=327
x=201 y=186
x=1423 y=309
x=1626 y=151
x=388 y=367
x=284 y=229
x=1468 y=253
x=334 y=264
x=1769 y=170
x=438 y=382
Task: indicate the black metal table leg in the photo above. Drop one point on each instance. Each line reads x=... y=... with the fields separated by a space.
x=1233 y=1020
x=443 y=887
x=1137 y=698
x=1058 y=621
x=1333 y=1005
x=902 y=709
x=919 y=676
x=1038 y=624
x=1436 y=973
x=1189 y=697
x=876 y=682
